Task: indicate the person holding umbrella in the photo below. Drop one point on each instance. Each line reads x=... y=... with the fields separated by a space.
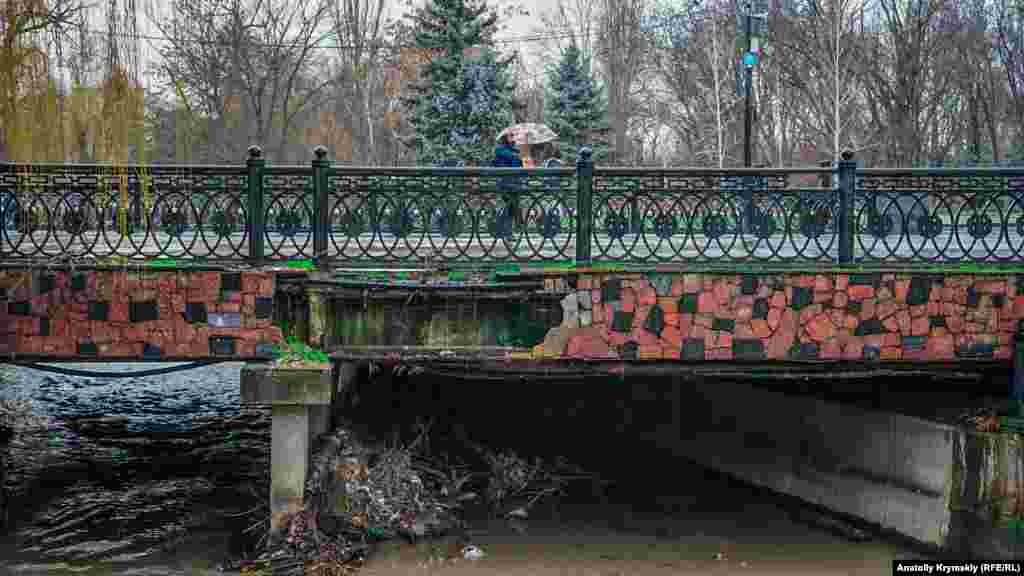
x=507 y=156
x=522 y=135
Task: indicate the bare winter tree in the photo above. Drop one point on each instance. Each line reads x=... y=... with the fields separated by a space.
x=568 y=21
x=814 y=51
x=965 y=123
x=248 y=68
x=902 y=85
x=360 y=102
x=697 y=68
x=621 y=49
x=528 y=98
x=1009 y=42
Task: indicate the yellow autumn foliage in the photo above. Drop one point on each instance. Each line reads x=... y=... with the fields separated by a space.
x=38 y=122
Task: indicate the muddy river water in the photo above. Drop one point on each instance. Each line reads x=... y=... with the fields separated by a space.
x=171 y=484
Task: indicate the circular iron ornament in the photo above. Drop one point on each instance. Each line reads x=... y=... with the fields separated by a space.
x=764 y=225
x=353 y=224
x=74 y=222
x=929 y=226
x=715 y=226
x=664 y=226
x=552 y=223
x=879 y=225
x=223 y=224
x=26 y=220
x=449 y=223
x=501 y=223
x=174 y=223
x=811 y=226
x=979 y=225
x=130 y=221
x=1020 y=226
x=616 y=225
x=287 y=223
x=400 y=222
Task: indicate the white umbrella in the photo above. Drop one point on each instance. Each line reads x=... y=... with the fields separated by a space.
x=529 y=133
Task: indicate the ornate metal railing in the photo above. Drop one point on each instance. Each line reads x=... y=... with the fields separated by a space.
x=471 y=216
x=52 y=211
x=671 y=215
x=940 y=215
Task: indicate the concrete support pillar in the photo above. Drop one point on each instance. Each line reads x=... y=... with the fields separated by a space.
x=317 y=318
x=301 y=408
x=289 y=461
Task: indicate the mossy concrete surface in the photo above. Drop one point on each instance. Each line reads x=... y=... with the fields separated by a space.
x=268 y=384
x=514 y=323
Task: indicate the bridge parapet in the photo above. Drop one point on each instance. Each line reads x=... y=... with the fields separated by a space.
x=137 y=314
x=788 y=316
x=853 y=316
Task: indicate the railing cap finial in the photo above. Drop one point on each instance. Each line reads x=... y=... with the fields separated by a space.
x=847 y=155
x=255 y=152
x=320 y=152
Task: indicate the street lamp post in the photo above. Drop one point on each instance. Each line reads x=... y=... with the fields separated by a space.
x=749 y=88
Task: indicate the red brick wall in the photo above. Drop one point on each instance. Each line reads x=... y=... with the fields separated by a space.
x=910 y=317
x=129 y=314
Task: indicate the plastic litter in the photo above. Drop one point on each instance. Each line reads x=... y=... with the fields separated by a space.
x=472 y=553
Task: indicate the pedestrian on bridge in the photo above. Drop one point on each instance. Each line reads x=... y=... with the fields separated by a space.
x=506 y=155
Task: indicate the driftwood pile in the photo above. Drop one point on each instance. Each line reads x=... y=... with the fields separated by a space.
x=359 y=494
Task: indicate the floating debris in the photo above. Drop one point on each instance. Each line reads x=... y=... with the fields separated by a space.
x=518 y=513
x=17 y=415
x=359 y=493
x=472 y=553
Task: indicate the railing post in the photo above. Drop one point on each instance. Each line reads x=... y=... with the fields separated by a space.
x=321 y=211
x=255 y=164
x=584 y=205
x=846 y=168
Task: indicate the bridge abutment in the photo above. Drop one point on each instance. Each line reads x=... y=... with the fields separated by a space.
x=947 y=486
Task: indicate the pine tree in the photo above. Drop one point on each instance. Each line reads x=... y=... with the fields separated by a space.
x=575 y=107
x=462 y=101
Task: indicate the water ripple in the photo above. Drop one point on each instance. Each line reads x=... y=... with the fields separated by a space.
x=164 y=403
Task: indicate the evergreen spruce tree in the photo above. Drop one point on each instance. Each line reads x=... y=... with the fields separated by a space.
x=461 y=102
x=575 y=107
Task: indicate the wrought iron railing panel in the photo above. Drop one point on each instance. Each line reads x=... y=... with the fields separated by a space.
x=713 y=216
x=289 y=203
x=51 y=211
x=939 y=215
x=470 y=215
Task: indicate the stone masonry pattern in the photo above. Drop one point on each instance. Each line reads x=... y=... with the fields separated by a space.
x=862 y=317
x=137 y=314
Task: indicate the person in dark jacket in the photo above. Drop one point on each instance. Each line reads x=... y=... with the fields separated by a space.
x=506 y=155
